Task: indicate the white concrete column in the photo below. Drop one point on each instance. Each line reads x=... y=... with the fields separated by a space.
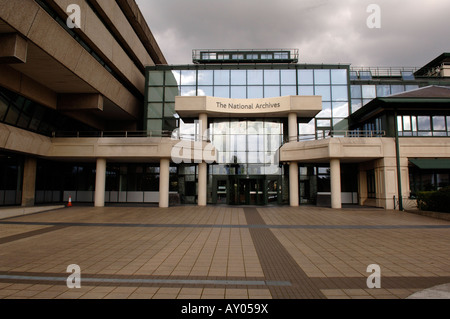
x=293 y=127
x=203 y=126
x=100 y=181
x=164 y=177
x=335 y=181
x=293 y=184
x=202 y=166
x=202 y=183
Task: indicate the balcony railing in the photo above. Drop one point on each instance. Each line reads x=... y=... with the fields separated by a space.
x=105 y=134
x=325 y=134
x=364 y=72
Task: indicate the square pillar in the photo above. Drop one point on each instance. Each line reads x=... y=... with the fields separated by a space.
x=29 y=182
x=100 y=182
x=202 y=183
x=203 y=127
x=164 y=177
x=293 y=184
x=335 y=181
x=293 y=127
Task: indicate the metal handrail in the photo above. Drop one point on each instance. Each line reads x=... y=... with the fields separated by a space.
x=384 y=71
x=105 y=134
x=325 y=134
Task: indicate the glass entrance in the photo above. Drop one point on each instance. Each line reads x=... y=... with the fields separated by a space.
x=251 y=191
x=246 y=190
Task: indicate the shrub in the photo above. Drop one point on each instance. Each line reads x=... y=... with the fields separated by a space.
x=438 y=201
x=423 y=200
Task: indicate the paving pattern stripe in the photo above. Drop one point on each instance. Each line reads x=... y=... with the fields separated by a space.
x=249 y=226
x=139 y=281
x=277 y=264
x=32 y=233
x=393 y=282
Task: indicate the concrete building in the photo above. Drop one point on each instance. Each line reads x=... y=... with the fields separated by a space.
x=57 y=78
x=290 y=133
x=91 y=111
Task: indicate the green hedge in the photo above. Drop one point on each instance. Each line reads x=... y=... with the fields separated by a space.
x=437 y=201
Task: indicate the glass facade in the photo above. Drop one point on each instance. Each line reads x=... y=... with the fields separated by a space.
x=21 y=112
x=248 y=169
x=361 y=94
x=246 y=82
x=423 y=125
x=125 y=183
x=11 y=175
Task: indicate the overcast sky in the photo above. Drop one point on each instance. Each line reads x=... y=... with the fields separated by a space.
x=412 y=32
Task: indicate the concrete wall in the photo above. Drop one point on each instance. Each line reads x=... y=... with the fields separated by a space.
x=99 y=36
x=33 y=23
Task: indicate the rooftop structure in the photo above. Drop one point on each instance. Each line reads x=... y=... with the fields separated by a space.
x=211 y=56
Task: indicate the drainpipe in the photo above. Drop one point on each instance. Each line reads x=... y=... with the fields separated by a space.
x=397 y=155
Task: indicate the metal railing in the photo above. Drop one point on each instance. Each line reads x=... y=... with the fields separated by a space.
x=105 y=134
x=384 y=71
x=325 y=134
x=174 y=135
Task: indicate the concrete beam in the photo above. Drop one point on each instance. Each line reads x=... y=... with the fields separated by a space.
x=72 y=102
x=13 y=48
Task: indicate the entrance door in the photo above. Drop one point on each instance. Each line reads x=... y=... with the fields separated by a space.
x=250 y=191
x=240 y=190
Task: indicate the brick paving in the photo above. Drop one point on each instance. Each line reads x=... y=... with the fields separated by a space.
x=220 y=252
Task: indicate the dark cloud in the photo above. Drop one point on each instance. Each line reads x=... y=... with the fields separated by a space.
x=412 y=32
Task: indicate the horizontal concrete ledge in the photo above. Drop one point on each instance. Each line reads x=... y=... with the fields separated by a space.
x=8 y=212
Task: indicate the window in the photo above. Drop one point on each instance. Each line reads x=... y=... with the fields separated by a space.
x=439 y=128
x=424 y=123
x=322 y=77
x=353 y=75
x=281 y=55
x=221 y=77
x=271 y=77
x=369 y=92
x=209 y=56
x=288 y=77
x=408 y=75
x=305 y=77
x=395 y=89
x=383 y=90
x=365 y=75
x=339 y=77
x=324 y=92
x=255 y=77
x=205 y=77
x=238 y=77
x=339 y=93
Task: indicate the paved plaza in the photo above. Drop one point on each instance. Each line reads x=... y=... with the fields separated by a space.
x=222 y=252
